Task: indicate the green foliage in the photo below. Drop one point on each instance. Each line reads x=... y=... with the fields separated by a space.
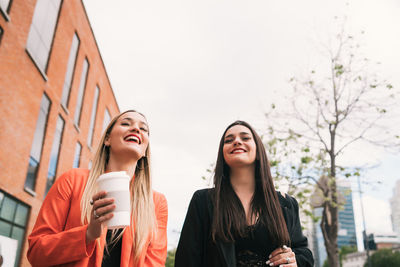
x=170 y=258
x=384 y=257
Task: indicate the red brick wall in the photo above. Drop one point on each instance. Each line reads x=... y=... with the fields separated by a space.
x=22 y=87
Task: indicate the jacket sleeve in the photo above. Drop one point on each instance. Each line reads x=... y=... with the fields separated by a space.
x=190 y=248
x=299 y=244
x=156 y=254
x=49 y=243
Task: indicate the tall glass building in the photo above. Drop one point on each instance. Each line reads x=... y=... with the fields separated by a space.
x=347 y=227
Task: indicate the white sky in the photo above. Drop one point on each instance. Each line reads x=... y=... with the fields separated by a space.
x=193 y=67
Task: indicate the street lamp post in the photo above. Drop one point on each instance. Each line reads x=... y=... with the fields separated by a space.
x=365 y=236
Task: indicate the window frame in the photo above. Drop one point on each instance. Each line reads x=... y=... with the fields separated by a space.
x=68 y=97
x=77 y=120
x=58 y=154
x=47 y=115
x=30 y=54
x=6 y=12
x=13 y=224
x=92 y=122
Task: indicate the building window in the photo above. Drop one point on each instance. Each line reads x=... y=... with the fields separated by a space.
x=73 y=53
x=55 y=149
x=1 y=32
x=93 y=116
x=5 y=7
x=13 y=217
x=37 y=144
x=81 y=91
x=42 y=31
x=107 y=119
x=77 y=156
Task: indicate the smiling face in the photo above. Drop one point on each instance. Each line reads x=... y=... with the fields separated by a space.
x=129 y=136
x=239 y=147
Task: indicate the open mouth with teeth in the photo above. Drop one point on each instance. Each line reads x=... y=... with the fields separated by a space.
x=133 y=139
x=238 y=150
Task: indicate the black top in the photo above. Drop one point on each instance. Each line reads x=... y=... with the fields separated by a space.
x=113 y=256
x=253 y=249
x=196 y=248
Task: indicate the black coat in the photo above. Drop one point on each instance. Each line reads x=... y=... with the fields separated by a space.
x=196 y=248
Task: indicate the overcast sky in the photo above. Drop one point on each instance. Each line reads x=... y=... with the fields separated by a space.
x=193 y=67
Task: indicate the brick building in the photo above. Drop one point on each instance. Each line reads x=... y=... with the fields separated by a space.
x=55 y=100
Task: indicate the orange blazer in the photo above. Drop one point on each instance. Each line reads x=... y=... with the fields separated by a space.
x=59 y=238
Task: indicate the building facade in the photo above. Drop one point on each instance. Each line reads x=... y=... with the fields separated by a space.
x=55 y=100
x=395 y=208
x=347 y=226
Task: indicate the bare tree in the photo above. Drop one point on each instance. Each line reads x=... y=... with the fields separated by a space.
x=331 y=109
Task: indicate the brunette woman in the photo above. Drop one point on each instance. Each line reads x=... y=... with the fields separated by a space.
x=71 y=226
x=242 y=221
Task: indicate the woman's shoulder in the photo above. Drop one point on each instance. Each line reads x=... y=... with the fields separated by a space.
x=203 y=195
x=159 y=197
x=286 y=200
x=74 y=176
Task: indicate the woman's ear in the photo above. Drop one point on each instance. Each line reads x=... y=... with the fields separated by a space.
x=107 y=140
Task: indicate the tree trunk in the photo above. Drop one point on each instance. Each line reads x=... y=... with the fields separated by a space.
x=329 y=227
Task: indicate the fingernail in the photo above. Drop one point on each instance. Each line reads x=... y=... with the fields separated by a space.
x=267 y=262
x=269 y=256
x=271 y=264
x=284 y=247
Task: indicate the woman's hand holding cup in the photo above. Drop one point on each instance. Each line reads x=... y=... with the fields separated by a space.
x=102 y=211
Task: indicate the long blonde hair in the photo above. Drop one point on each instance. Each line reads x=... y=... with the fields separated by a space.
x=143 y=218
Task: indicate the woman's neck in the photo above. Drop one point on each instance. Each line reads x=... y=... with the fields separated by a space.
x=243 y=180
x=121 y=164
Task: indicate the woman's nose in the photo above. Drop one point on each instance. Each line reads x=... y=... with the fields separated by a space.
x=237 y=141
x=135 y=128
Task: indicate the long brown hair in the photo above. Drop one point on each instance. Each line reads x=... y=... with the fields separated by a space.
x=143 y=218
x=229 y=220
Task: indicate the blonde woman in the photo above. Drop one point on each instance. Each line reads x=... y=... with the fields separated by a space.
x=70 y=229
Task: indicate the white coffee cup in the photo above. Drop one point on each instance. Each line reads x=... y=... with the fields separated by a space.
x=116 y=184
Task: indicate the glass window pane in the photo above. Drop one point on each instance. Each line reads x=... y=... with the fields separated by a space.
x=81 y=91
x=38 y=138
x=41 y=56
x=54 y=153
x=5 y=228
x=31 y=174
x=8 y=209
x=18 y=234
x=4 y=5
x=107 y=119
x=70 y=70
x=93 y=116
x=21 y=215
x=1 y=33
x=42 y=31
x=37 y=144
x=77 y=157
